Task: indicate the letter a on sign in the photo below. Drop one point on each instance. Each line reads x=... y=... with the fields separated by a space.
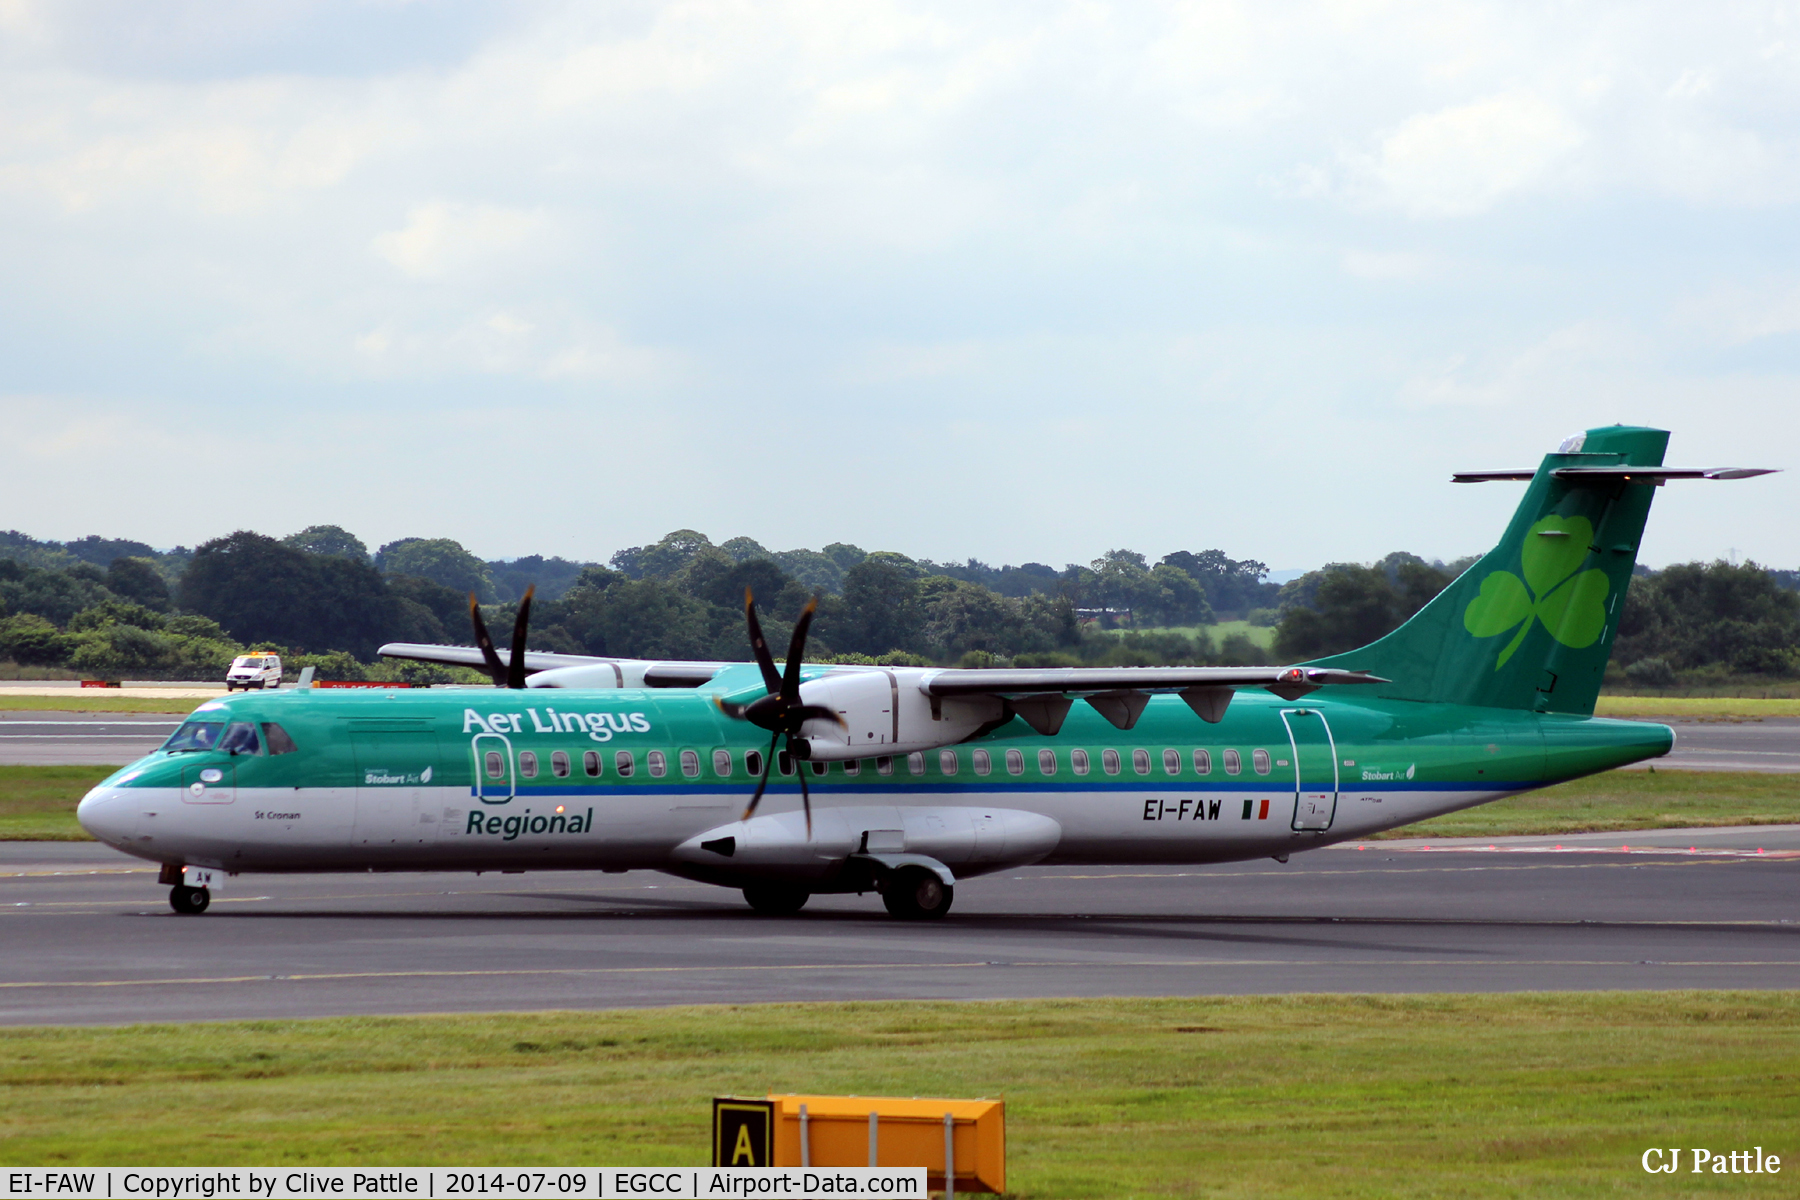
x=743 y=1133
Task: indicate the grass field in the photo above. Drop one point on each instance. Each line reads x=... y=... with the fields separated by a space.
x=1715 y=708
x=78 y=702
x=38 y=804
x=1627 y=800
x=1241 y=1096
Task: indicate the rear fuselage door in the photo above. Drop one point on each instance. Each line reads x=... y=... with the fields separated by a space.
x=1315 y=767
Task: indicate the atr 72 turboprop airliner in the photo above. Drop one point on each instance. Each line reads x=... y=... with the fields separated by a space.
x=903 y=780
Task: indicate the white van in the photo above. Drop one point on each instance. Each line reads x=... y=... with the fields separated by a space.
x=258 y=670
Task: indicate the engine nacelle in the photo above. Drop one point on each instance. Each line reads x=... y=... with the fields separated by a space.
x=884 y=712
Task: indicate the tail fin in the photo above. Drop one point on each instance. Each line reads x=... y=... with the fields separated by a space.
x=1531 y=625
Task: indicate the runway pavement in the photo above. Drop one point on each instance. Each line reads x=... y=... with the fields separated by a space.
x=87 y=936
x=86 y=739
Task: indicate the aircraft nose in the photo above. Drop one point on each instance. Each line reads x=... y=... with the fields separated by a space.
x=108 y=814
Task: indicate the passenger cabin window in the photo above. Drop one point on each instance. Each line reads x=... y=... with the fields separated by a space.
x=277 y=740
x=983 y=763
x=1233 y=764
x=819 y=766
x=241 y=738
x=1140 y=761
x=915 y=763
x=1109 y=761
x=784 y=762
x=722 y=763
x=853 y=767
x=590 y=762
x=496 y=766
x=753 y=762
x=559 y=764
x=1015 y=762
x=1078 y=761
x=690 y=764
x=1202 y=762
x=195 y=735
x=1171 y=762
x=884 y=765
x=1047 y=762
x=624 y=764
x=947 y=761
x=1261 y=759
x=658 y=762
x=528 y=764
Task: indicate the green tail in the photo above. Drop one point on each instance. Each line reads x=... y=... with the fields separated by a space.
x=1531 y=625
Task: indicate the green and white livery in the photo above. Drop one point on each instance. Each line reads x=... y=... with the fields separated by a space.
x=902 y=781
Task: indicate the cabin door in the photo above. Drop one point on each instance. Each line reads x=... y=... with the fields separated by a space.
x=1315 y=768
x=394 y=771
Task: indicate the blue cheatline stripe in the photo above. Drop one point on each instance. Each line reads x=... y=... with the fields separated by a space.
x=835 y=788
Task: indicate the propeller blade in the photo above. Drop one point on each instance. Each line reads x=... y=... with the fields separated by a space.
x=800 y=769
x=763 y=783
x=760 y=644
x=495 y=668
x=790 y=683
x=515 y=672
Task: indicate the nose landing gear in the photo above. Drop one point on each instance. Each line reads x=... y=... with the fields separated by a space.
x=189 y=901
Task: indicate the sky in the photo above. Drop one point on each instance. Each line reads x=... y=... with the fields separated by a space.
x=1018 y=281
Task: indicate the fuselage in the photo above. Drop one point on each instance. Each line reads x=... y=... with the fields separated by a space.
x=545 y=779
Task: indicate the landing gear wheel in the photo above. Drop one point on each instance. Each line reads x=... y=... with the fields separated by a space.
x=189 y=901
x=776 y=901
x=916 y=894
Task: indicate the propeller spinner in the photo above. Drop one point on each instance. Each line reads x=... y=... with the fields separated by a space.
x=780 y=711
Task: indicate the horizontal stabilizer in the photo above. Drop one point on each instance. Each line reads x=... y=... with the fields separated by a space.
x=1655 y=476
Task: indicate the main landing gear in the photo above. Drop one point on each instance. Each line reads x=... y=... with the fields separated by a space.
x=189 y=901
x=917 y=894
x=910 y=893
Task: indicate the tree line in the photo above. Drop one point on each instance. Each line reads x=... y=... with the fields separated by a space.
x=108 y=607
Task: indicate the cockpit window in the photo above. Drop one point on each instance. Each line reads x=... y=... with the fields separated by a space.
x=195 y=735
x=277 y=739
x=241 y=738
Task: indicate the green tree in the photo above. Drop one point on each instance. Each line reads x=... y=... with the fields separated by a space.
x=1700 y=614
x=638 y=618
x=327 y=539
x=30 y=640
x=55 y=595
x=1346 y=605
x=138 y=580
x=261 y=590
x=441 y=560
x=742 y=548
x=447 y=608
x=881 y=608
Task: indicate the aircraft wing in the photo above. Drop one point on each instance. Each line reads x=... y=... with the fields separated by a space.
x=598 y=671
x=1043 y=697
x=1287 y=682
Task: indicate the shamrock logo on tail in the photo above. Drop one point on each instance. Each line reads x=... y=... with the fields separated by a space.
x=1571 y=605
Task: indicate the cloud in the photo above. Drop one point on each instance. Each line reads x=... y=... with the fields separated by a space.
x=1136 y=248
x=440 y=237
x=1461 y=161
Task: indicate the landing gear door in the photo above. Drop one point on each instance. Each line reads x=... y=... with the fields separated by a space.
x=493 y=768
x=1315 y=768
